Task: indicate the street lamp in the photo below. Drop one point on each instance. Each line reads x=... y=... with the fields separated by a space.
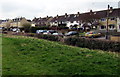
x=109 y=10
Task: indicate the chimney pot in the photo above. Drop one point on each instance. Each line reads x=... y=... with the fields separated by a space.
x=65 y=14
x=91 y=11
x=78 y=13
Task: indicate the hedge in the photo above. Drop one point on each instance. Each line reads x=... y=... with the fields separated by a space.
x=82 y=42
x=93 y=43
x=48 y=37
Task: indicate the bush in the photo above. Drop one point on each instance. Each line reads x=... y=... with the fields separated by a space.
x=93 y=43
x=48 y=37
x=43 y=28
x=26 y=27
x=82 y=42
x=33 y=29
x=31 y=34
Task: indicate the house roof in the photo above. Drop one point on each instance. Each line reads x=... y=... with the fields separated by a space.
x=29 y=20
x=88 y=15
x=45 y=19
x=115 y=13
x=17 y=19
x=4 y=21
x=81 y=16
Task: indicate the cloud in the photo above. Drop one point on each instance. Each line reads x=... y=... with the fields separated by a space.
x=42 y=8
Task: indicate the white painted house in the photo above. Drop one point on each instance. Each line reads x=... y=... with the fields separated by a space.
x=118 y=24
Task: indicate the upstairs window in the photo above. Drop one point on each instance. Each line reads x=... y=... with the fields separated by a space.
x=103 y=19
x=111 y=26
x=103 y=27
x=112 y=19
x=71 y=21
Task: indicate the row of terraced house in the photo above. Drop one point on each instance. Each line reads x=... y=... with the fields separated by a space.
x=17 y=22
x=90 y=20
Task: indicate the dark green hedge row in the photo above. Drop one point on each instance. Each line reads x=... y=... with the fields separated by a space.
x=93 y=44
x=48 y=37
x=82 y=42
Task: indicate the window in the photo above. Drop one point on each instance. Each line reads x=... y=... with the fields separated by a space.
x=103 y=19
x=111 y=26
x=112 y=19
x=71 y=21
x=103 y=27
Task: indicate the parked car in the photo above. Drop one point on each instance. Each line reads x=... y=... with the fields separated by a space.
x=16 y=30
x=47 y=33
x=57 y=34
x=51 y=31
x=41 y=31
x=1 y=28
x=71 y=33
x=93 y=34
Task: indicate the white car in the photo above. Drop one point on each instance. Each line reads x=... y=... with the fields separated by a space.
x=47 y=33
x=40 y=31
x=57 y=34
x=16 y=30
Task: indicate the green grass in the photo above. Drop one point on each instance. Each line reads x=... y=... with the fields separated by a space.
x=0 y=54
x=30 y=56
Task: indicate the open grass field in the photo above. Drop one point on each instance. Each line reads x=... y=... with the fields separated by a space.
x=31 y=56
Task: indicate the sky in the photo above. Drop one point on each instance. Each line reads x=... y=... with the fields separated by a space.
x=29 y=9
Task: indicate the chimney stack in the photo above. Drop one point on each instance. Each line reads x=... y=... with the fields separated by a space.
x=91 y=11
x=66 y=15
x=57 y=15
x=39 y=18
x=78 y=13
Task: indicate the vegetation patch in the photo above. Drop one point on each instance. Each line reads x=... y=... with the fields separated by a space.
x=93 y=43
x=31 y=56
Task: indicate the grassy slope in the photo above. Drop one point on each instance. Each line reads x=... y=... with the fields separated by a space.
x=28 y=56
x=0 y=54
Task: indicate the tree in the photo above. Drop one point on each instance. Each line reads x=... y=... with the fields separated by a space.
x=26 y=27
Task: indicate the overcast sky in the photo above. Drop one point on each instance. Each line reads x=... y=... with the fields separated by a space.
x=41 y=8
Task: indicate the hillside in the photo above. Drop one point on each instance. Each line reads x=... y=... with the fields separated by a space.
x=31 y=56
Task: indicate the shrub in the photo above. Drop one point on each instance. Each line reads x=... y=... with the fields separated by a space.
x=82 y=42
x=33 y=29
x=43 y=28
x=26 y=27
x=27 y=34
x=93 y=43
x=48 y=37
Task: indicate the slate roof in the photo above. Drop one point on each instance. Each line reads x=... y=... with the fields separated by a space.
x=41 y=21
x=81 y=16
x=88 y=15
x=17 y=19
